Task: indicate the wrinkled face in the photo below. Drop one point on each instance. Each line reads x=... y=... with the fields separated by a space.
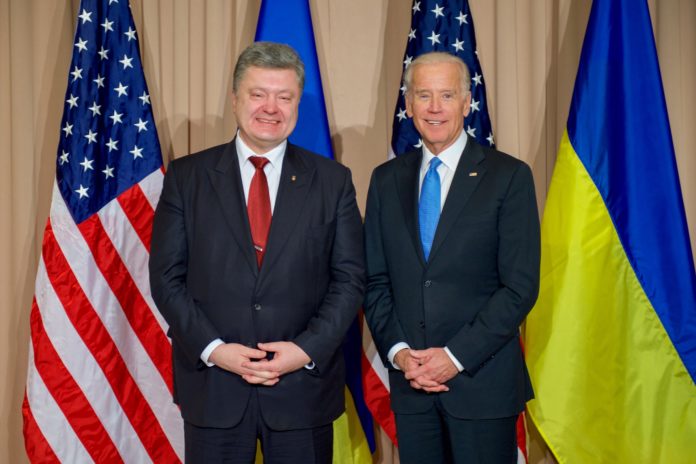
x=265 y=106
x=437 y=105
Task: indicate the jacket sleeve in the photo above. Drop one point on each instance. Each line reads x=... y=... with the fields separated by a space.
x=327 y=328
x=188 y=325
x=379 y=304
x=518 y=269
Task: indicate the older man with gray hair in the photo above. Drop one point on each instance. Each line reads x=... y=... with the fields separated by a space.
x=452 y=255
x=257 y=266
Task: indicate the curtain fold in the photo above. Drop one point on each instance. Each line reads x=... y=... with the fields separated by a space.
x=529 y=51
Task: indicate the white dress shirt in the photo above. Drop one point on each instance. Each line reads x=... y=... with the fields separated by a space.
x=450 y=160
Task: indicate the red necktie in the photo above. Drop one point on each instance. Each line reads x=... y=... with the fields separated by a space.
x=259 y=208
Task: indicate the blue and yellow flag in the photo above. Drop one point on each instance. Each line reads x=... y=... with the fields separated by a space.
x=611 y=344
x=290 y=22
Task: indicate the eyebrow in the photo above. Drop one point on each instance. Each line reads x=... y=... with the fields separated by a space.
x=418 y=91
x=264 y=89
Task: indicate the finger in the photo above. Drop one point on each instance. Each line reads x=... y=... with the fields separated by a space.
x=253 y=379
x=418 y=354
x=271 y=346
x=419 y=371
x=275 y=365
x=252 y=353
x=260 y=378
x=415 y=385
x=438 y=389
x=271 y=382
x=260 y=368
x=425 y=382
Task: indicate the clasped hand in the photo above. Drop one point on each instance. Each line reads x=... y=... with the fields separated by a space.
x=252 y=364
x=426 y=370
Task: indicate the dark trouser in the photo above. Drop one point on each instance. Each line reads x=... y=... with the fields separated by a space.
x=237 y=445
x=436 y=437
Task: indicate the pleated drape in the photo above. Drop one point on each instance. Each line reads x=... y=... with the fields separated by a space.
x=529 y=50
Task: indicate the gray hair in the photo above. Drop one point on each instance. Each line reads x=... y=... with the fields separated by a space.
x=269 y=55
x=438 y=57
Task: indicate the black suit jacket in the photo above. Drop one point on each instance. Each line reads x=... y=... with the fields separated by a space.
x=206 y=283
x=472 y=295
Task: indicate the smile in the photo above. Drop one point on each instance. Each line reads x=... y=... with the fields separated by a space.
x=434 y=123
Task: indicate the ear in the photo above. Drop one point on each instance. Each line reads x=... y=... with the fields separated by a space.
x=409 y=105
x=467 y=104
x=234 y=101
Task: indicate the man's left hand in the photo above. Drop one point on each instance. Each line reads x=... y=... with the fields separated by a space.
x=435 y=366
x=287 y=357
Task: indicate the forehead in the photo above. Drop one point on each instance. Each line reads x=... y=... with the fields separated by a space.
x=270 y=78
x=433 y=76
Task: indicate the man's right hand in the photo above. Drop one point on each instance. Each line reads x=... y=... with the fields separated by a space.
x=408 y=363
x=405 y=361
x=230 y=356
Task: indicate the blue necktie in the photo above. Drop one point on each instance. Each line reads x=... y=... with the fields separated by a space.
x=429 y=206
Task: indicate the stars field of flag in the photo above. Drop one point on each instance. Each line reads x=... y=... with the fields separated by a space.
x=443 y=26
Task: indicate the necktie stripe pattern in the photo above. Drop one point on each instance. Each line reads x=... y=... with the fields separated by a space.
x=429 y=206
x=99 y=382
x=259 y=207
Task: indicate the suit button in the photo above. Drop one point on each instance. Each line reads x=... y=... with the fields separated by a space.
x=428 y=283
x=421 y=324
x=257 y=307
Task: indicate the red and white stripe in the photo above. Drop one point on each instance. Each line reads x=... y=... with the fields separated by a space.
x=376 y=385
x=99 y=386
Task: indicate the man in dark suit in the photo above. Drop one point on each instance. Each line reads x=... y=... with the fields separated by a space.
x=257 y=266
x=452 y=255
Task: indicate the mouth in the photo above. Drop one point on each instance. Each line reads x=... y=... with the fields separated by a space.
x=434 y=123
x=268 y=121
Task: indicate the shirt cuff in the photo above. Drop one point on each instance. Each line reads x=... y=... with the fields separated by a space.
x=395 y=349
x=454 y=360
x=310 y=365
x=205 y=355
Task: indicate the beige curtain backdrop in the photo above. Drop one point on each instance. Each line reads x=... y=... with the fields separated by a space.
x=529 y=51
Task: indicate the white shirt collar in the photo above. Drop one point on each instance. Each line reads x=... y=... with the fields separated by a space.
x=274 y=156
x=449 y=156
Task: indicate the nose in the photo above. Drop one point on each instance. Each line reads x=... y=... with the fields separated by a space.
x=435 y=105
x=270 y=105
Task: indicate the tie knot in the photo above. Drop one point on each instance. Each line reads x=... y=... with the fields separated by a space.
x=258 y=161
x=434 y=163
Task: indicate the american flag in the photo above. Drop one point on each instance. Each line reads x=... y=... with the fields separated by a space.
x=99 y=383
x=442 y=26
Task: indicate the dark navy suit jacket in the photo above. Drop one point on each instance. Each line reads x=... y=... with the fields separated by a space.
x=480 y=282
x=206 y=283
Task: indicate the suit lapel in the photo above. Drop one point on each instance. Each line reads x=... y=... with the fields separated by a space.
x=295 y=181
x=463 y=185
x=407 y=187
x=227 y=183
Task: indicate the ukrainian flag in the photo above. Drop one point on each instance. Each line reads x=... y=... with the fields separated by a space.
x=611 y=344
x=290 y=22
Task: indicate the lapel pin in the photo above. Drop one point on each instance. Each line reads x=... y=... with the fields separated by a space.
x=293 y=178
x=473 y=174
